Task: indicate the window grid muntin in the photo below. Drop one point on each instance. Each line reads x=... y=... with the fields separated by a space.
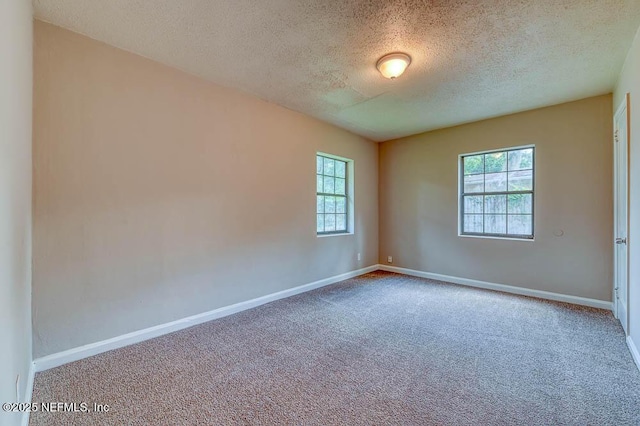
x=505 y=193
x=344 y=196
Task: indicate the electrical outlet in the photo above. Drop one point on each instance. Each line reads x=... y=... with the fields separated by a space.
x=390 y=259
x=359 y=256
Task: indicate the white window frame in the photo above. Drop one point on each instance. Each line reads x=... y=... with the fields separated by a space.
x=461 y=194
x=350 y=191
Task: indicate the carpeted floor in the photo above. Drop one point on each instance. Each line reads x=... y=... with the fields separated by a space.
x=378 y=349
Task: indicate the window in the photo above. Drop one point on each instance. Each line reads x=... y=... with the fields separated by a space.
x=333 y=207
x=496 y=193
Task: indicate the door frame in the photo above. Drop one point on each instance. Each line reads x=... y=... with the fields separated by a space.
x=624 y=105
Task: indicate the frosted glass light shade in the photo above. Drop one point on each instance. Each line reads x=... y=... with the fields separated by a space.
x=393 y=65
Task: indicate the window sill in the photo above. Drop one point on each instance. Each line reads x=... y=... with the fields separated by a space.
x=341 y=234
x=493 y=237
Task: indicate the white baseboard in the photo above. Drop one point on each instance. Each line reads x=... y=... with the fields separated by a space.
x=602 y=304
x=634 y=351
x=28 y=392
x=75 y=354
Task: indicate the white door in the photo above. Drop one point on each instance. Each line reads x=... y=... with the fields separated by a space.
x=621 y=201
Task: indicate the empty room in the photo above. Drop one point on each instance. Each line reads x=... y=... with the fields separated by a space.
x=236 y=212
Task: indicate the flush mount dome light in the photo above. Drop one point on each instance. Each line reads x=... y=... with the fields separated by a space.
x=393 y=64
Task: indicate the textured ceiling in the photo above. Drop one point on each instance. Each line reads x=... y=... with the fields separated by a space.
x=471 y=59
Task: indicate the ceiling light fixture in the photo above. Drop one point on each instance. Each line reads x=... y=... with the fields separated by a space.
x=393 y=64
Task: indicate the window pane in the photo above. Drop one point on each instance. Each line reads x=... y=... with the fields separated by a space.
x=473 y=164
x=495 y=224
x=473 y=183
x=521 y=159
x=473 y=204
x=495 y=204
x=331 y=210
x=329 y=222
x=520 y=224
x=473 y=223
x=490 y=205
x=521 y=180
x=330 y=204
x=495 y=182
x=520 y=203
x=329 y=166
x=495 y=162
x=329 y=184
x=320 y=224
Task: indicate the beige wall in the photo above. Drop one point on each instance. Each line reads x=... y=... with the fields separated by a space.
x=158 y=195
x=15 y=200
x=629 y=82
x=418 y=201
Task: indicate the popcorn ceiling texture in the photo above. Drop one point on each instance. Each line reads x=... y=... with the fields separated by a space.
x=471 y=59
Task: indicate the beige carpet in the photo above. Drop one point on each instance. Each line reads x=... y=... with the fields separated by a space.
x=379 y=349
